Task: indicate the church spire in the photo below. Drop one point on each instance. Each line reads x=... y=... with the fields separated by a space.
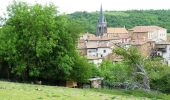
x=101 y=16
x=101 y=24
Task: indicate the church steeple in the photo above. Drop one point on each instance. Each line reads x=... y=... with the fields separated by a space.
x=101 y=24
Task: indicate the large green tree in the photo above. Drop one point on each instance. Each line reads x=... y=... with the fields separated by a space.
x=37 y=42
x=115 y=72
x=159 y=74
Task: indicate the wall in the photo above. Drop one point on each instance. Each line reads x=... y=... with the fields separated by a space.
x=101 y=52
x=137 y=36
x=166 y=55
x=92 y=52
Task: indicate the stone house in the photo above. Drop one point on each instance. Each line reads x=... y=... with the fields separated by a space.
x=163 y=50
x=144 y=47
x=81 y=47
x=120 y=33
x=149 y=33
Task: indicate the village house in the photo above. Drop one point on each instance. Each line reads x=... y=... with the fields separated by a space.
x=144 y=47
x=96 y=51
x=163 y=50
x=149 y=33
x=120 y=33
x=81 y=47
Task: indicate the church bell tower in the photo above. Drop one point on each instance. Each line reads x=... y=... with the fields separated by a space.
x=101 y=24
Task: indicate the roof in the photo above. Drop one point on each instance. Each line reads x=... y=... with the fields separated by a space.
x=102 y=38
x=146 y=28
x=105 y=45
x=98 y=45
x=116 y=30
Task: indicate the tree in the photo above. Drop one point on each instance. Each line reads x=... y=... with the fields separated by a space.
x=158 y=73
x=82 y=70
x=135 y=60
x=37 y=42
x=117 y=72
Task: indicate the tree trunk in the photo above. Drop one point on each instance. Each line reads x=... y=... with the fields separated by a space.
x=146 y=83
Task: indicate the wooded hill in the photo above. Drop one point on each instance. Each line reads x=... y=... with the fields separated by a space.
x=128 y=19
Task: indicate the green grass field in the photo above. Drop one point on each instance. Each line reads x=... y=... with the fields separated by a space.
x=19 y=91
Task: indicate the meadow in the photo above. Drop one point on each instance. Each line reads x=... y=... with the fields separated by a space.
x=22 y=91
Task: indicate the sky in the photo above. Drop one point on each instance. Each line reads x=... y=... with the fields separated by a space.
x=70 y=6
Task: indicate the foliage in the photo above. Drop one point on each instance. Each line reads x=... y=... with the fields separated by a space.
x=128 y=19
x=131 y=55
x=117 y=72
x=162 y=84
x=136 y=61
x=82 y=70
x=36 y=42
x=159 y=74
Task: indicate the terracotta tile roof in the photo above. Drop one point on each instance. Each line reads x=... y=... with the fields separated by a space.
x=116 y=30
x=99 y=45
x=105 y=45
x=146 y=28
x=103 y=38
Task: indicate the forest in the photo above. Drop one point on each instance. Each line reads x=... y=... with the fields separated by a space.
x=128 y=19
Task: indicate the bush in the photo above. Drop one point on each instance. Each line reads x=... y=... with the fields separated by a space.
x=117 y=72
x=159 y=74
x=82 y=70
x=162 y=84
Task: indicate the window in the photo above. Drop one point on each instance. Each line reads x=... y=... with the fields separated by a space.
x=101 y=55
x=159 y=54
x=104 y=51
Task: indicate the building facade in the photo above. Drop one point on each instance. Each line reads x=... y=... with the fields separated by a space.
x=149 y=33
x=163 y=50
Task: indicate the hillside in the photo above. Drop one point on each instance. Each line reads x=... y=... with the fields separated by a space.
x=19 y=91
x=128 y=19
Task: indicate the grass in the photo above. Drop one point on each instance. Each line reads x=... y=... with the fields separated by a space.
x=153 y=95
x=20 y=91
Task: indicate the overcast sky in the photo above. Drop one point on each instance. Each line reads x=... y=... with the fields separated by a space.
x=69 y=6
